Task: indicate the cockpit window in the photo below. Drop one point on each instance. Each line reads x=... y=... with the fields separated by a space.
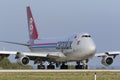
x=86 y=36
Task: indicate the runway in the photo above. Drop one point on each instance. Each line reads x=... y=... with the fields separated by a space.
x=59 y=70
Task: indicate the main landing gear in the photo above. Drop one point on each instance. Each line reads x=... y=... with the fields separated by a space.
x=40 y=63
x=80 y=65
x=51 y=66
x=64 y=66
x=40 y=66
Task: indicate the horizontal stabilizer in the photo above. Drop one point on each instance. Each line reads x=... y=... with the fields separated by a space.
x=15 y=43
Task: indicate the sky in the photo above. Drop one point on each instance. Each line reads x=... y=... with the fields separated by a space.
x=62 y=18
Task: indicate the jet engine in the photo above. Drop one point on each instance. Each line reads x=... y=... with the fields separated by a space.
x=23 y=60
x=107 y=61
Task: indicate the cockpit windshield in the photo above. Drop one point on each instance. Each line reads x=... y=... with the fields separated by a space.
x=86 y=36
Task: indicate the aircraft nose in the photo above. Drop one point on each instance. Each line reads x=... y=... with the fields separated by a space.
x=91 y=46
x=92 y=50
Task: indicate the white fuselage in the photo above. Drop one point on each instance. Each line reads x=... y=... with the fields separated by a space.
x=79 y=47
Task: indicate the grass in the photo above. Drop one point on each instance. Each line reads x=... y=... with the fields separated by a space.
x=59 y=76
x=6 y=64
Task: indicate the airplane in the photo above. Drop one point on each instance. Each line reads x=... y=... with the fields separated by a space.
x=79 y=48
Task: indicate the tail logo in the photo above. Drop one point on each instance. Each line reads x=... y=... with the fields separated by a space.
x=31 y=26
x=33 y=34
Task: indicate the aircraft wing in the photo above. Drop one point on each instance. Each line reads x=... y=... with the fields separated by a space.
x=34 y=54
x=108 y=57
x=105 y=54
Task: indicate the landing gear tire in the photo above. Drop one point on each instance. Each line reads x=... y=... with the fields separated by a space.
x=50 y=67
x=63 y=66
x=40 y=67
x=78 y=67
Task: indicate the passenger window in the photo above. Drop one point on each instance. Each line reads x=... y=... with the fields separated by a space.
x=75 y=37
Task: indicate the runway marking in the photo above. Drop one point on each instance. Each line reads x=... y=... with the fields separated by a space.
x=59 y=70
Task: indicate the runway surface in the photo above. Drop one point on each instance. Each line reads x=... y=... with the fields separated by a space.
x=59 y=70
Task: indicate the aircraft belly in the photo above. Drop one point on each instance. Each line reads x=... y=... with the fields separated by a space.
x=72 y=56
x=75 y=55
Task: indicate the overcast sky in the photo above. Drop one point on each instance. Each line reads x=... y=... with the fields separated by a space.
x=60 y=18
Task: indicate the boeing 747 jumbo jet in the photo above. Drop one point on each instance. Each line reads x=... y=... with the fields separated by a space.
x=79 y=48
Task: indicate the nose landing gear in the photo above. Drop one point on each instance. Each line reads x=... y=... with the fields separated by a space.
x=83 y=66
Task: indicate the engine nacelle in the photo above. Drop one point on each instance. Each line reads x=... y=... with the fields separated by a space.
x=23 y=60
x=107 y=61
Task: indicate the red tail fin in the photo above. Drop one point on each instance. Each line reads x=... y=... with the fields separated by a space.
x=33 y=34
